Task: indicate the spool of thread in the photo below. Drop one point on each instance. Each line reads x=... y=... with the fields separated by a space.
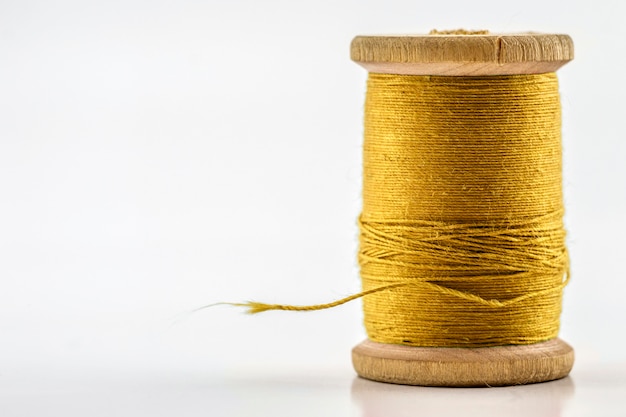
x=462 y=252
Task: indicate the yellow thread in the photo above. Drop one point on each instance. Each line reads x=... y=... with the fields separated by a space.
x=462 y=191
x=458 y=32
x=462 y=241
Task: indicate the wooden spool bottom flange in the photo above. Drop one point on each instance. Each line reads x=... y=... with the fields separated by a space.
x=463 y=367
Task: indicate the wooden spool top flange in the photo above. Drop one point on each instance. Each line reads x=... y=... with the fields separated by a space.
x=463 y=55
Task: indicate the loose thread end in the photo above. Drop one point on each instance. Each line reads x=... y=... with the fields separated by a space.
x=254 y=307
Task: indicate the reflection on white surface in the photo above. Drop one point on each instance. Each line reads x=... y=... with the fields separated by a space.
x=388 y=400
x=590 y=390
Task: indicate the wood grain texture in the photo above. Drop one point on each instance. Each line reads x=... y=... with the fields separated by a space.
x=463 y=367
x=463 y=55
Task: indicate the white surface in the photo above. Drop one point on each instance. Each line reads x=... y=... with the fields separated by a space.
x=594 y=392
x=156 y=156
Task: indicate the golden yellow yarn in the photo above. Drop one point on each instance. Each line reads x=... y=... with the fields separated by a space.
x=462 y=241
x=458 y=32
x=462 y=199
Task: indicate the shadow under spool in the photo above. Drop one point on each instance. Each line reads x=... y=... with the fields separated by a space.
x=463 y=55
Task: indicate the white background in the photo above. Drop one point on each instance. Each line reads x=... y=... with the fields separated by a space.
x=157 y=156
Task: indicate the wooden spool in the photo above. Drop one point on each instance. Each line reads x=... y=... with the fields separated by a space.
x=463 y=55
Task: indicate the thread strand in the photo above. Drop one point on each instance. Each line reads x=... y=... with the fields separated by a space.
x=461 y=234
x=462 y=202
